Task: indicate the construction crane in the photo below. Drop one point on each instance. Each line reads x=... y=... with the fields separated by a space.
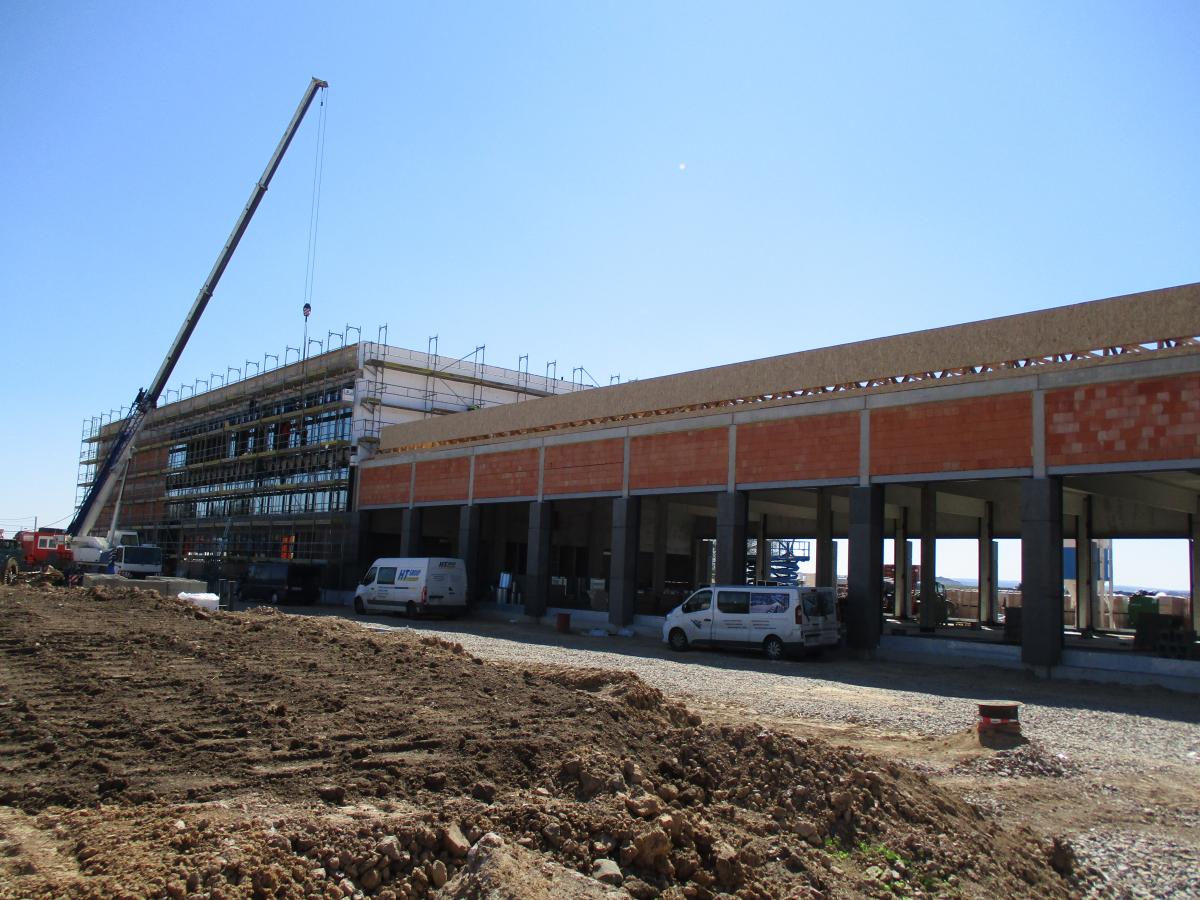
x=121 y=447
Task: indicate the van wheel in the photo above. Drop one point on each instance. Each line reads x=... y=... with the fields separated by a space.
x=358 y=606
x=678 y=640
x=773 y=647
x=411 y=610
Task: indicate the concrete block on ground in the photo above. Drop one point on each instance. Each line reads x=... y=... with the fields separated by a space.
x=170 y=587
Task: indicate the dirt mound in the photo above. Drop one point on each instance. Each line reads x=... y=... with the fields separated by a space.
x=157 y=749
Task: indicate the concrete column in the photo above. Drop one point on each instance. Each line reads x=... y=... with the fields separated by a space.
x=468 y=548
x=1195 y=552
x=1041 y=571
x=864 y=609
x=1087 y=610
x=762 y=553
x=410 y=532
x=622 y=578
x=929 y=602
x=732 y=509
x=901 y=560
x=987 y=565
x=826 y=575
x=537 y=557
x=658 y=573
x=598 y=536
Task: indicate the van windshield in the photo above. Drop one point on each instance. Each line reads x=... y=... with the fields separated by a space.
x=698 y=602
x=369 y=577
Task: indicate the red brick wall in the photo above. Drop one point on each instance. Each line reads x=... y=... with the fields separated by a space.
x=443 y=479
x=679 y=459
x=953 y=436
x=798 y=449
x=580 y=468
x=1124 y=422
x=384 y=485
x=513 y=474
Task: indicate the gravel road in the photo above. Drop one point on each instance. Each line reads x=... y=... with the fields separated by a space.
x=1104 y=733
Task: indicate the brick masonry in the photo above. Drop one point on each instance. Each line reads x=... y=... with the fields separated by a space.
x=513 y=474
x=953 y=436
x=583 y=468
x=384 y=485
x=1129 y=421
x=679 y=459
x=442 y=479
x=802 y=449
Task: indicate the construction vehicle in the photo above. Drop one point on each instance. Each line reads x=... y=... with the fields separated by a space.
x=120 y=449
x=10 y=559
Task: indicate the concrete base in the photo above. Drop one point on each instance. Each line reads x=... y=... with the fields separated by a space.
x=168 y=587
x=1077 y=665
x=172 y=587
x=581 y=619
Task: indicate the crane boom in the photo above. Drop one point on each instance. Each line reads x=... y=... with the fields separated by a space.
x=122 y=445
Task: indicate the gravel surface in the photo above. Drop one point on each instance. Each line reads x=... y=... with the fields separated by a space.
x=1090 y=732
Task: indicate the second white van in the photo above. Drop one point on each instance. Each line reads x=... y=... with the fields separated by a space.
x=780 y=620
x=414 y=586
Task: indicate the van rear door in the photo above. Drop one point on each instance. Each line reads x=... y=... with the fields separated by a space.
x=819 y=619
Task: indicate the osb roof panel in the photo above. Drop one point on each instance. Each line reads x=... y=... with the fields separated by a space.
x=1131 y=319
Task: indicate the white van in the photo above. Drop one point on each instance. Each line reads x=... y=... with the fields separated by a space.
x=778 y=619
x=414 y=586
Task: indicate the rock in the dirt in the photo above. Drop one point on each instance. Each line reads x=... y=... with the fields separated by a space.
x=607 y=871
x=502 y=871
x=453 y=840
x=1062 y=857
x=389 y=847
x=483 y=790
x=332 y=793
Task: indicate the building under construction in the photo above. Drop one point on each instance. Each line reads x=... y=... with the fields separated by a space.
x=264 y=468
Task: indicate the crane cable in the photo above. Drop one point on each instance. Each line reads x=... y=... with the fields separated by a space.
x=314 y=213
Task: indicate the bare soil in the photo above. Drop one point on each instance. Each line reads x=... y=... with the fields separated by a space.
x=151 y=749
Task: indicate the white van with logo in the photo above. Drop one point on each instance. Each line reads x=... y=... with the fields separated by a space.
x=780 y=620
x=414 y=586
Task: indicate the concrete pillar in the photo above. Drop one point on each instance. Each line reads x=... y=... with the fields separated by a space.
x=410 y=532
x=901 y=560
x=987 y=565
x=468 y=548
x=864 y=608
x=1087 y=612
x=622 y=578
x=658 y=572
x=762 y=552
x=826 y=575
x=732 y=509
x=537 y=557
x=1195 y=553
x=929 y=602
x=1041 y=571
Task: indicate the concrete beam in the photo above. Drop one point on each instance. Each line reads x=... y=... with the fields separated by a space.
x=622 y=579
x=731 y=537
x=537 y=557
x=864 y=606
x=1041 y=572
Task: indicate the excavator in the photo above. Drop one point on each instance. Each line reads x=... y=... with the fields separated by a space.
x=120 y=449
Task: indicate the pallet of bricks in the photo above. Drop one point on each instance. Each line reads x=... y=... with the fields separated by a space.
x=1166 y=635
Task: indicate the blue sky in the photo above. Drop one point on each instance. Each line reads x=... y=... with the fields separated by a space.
x=509 y=174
